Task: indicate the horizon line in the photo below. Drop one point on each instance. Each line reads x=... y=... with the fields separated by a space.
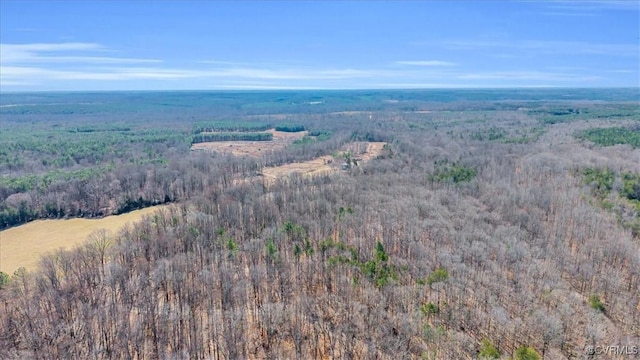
x=327 y=89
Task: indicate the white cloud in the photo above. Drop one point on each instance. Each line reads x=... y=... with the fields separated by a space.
x=419 y=85
x=286 y=78
x=28 y=29
x=44 y=63
x=528 y=76
x=250 y=86
x=223 y=62
x=622 y=71
x=35 y=47
x=86 y=60
x=426 y=63
x=15 y=73
x=39 y=53
x=40 y=74
x=568 y=13
x=550 y=46
x=72 y=65
x=583 y=6
x=4 y=83
x=294 y=73
x=456 y=85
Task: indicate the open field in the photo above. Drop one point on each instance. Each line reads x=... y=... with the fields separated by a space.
x=22 y=246
x=251 y=148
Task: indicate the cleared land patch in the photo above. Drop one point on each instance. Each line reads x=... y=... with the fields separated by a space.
x=317 y=166
x=350 y=112
x=361 y=151
x=24 y=245
x=251 y=148
x=373 y=150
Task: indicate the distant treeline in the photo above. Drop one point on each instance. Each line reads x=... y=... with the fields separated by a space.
x=562 y=114
x=232 y=136
x=243 y=126
x=320 y=133
x=87 y=129
x=290 y=127
x=230 y=125
x=313 y=136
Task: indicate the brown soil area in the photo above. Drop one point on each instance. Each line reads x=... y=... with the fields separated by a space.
x=362 y=150
x=251 y=148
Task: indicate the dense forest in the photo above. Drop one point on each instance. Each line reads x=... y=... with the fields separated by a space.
x=496 y=224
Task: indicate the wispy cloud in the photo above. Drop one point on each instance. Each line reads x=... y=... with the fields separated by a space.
x=14 y=83
x=425 y=63
x=622 y=71
x=43 y=75
x=41 y=53
x=70 y=65
x=528 y=76
x=550 y=46
x=127 y=73
x=47 y=63
x=262 y=78
x=568 y=13
x=467 y=85
x=223 y=62
x=28 y=29
x=593 y=5
x=587 y=8
x=265 y=87
x=292 y=74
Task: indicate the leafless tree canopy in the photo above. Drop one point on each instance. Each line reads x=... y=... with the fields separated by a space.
x=475 y=226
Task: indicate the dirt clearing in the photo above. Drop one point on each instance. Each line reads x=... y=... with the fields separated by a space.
x=316 y=166
x=360 y=151
x=280 y=140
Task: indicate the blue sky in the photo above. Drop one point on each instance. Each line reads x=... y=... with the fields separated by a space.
x=165 y=45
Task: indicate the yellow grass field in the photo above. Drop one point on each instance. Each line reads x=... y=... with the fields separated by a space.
x=24 y=245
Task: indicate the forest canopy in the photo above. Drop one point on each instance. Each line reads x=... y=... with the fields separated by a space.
x=488 y=224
